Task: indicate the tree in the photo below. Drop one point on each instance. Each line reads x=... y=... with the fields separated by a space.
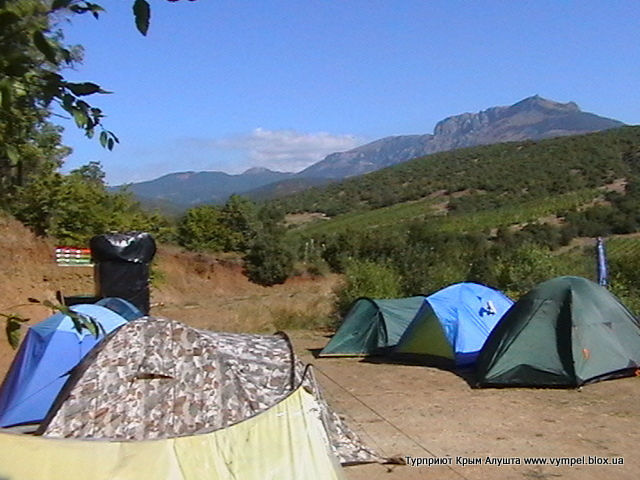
x=520 y=269
x=240 y=215
x=75 y=207
x=203 y=228
x=32 y=56
x=269 y=262
x=364 y=278
x=29 y=144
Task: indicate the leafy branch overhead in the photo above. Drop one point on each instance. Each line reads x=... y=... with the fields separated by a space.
x=80 y=321
x=32 y=56
x=14 y=321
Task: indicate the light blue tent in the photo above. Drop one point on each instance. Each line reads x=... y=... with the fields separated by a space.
x=125 y=309
x=454 y=323
x=41 y=366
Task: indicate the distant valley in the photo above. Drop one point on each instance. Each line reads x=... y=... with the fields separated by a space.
x=533 y=118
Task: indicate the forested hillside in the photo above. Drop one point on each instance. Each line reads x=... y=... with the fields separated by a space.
x=507 y=215
x=484 y=177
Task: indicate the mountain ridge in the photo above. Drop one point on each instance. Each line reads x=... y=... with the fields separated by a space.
x=533 y=118
x=190 y=188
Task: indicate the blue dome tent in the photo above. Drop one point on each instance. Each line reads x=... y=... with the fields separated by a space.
x=125 y=309
x=454 y=323
x=42 y=364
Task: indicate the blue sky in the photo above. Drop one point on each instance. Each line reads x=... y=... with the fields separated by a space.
x=227 y=85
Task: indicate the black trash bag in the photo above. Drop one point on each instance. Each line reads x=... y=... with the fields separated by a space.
x=135 y=247
x=129 y=281
x=122 y=266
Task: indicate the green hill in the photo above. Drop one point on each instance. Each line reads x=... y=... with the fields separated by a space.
x=483 y=177
x=478 y=178
x=508 y=215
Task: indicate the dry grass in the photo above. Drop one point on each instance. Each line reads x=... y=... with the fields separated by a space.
x=201 y=290
x=208 y=293
x=28 y=270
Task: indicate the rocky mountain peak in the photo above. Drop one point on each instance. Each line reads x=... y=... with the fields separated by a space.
x=536 y=102
x=532 y=118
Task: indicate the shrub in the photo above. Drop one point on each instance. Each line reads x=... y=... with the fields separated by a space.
x=364 y=278
x=268 y=262
x=519 y=270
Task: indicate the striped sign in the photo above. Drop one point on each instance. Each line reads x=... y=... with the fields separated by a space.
x=73 y=257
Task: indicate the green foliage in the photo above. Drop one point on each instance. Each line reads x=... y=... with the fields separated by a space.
x=231 y=228
x=33 y=55
x=311 y=261
x=157 y=277
x=519 y=270
x=81 y=321
x=239 y=226
x=268 y=261
x=75 y=207
x=482 y=178
x=433 y=260
x=403 y=215
x=202 y=228
x=240 y=216
x=365 y=278
x=13 y=325
x=624 y=264
x=14 y=321
x=509 y=227
x=142 y=13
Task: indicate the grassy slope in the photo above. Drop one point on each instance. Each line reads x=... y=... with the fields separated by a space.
x=394 y=216
x=506 y=177
x=478 y=188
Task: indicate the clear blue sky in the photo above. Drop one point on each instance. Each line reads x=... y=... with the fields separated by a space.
x=230 y=84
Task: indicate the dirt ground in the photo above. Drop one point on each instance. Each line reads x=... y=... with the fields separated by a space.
x=401 y=410
x=418 y=411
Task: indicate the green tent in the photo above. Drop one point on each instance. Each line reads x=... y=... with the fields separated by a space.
x=373 y=326
x=567 y=331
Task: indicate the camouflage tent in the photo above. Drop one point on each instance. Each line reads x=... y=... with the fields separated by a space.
x=157 y=378
x=284 y=442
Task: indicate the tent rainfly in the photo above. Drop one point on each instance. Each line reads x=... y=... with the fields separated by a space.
x=566 y=332
x=372 y=326
x=453 y=324
x=41 y=366
x=283 y=442
x=157 y=379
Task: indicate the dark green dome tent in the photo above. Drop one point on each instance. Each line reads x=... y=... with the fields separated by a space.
x=373 y=326
x=566 y=332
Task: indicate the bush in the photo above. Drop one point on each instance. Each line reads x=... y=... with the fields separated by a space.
x=268 y=262
x=202 y=228
x=519 y=270
x=365 y=278
x=624 y=281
